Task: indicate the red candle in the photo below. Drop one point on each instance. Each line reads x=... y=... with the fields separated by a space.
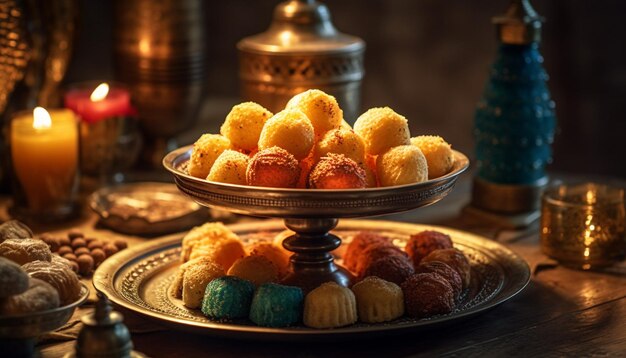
x=101 y=103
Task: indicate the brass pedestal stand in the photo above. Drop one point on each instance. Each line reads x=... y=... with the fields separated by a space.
x=311 y=213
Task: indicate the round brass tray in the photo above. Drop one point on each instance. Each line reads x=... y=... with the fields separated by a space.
x=138 y=279
x=310 y=203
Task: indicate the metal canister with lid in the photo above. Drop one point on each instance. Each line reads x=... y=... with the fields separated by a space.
x=301 y=50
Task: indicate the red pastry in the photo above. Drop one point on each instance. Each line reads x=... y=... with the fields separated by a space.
x=394 y=268
x=425 y=242
x=359 y=243
x=375 y=252
x=455 y=259
x=427 y=294
x=442 y=268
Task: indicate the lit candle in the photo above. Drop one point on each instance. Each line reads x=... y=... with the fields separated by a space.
x=93 y=105
x=44 y=150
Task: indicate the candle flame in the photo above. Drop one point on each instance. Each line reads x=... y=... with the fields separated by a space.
x=41 y=118
x=100 y=92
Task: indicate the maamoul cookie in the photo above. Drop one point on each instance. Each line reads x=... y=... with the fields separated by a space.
x=329 y=306
x=195 y=279
x=378 y=300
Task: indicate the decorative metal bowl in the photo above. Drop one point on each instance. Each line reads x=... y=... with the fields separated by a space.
x=19 y=332
x=310 y=203
x=146 y=209
x=311 y=213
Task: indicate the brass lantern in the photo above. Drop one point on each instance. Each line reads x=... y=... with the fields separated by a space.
x=301 y=50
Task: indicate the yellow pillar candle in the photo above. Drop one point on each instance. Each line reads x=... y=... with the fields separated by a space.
x=44 y=150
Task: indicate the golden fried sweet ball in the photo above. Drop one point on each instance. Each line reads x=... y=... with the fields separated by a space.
x=205 y=151
x=381 y=129
x=438 y=154
x=229 y=167
x=243 y=125
x=404 y=164
x=321 y=108
x=341 y=141
x=291 y=130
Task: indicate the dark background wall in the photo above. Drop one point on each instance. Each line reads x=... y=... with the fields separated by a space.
x=429 y=60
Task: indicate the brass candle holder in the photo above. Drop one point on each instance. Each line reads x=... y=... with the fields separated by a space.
x=584 y=225
x=301 y=50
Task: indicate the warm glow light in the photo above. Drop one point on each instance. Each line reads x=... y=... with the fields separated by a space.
x=41 y=118
x=285 y=38
x=100 y=92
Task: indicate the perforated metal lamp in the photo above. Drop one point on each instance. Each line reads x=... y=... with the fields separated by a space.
x=301 y=50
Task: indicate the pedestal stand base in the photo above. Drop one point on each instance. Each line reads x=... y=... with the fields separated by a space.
x=312 y=262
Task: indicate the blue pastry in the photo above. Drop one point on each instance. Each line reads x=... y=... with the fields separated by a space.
x=227 y=297
x=276 y=305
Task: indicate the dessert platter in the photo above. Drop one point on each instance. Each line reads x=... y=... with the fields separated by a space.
x=321 y=278
x=139 y=279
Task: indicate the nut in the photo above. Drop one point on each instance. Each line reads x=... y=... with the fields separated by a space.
x=79 y=242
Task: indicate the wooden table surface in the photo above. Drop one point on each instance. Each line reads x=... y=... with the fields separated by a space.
x=562 y=312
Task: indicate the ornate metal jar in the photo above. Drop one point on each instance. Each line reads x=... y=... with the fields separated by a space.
x=301 y=50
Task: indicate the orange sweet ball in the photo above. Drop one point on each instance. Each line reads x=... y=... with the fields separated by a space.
x=256 y=269
x=335 y=171
x=224 y=252
x=276 y=255
x=273 y=167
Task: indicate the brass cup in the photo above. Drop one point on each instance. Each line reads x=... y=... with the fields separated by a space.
x=583 y=225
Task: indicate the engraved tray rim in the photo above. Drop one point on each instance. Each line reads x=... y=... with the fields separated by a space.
x=514 y=278
x=307 y=203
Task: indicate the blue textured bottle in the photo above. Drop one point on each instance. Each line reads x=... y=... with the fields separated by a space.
x=515 y=119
